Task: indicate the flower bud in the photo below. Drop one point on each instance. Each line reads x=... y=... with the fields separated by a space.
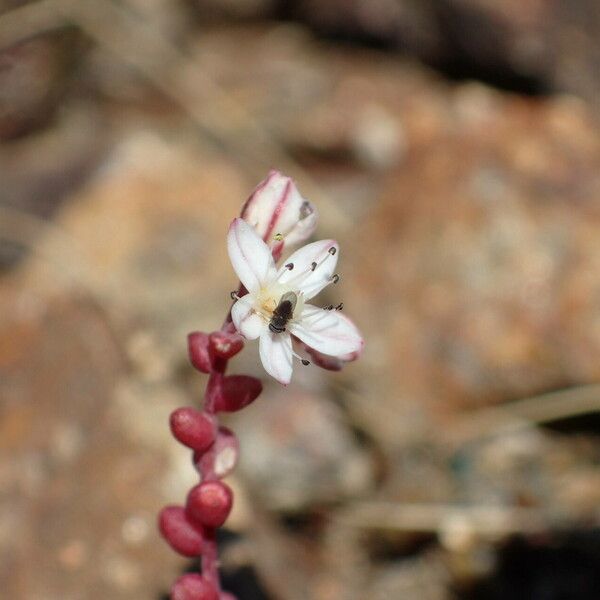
x=182 y=535
x=236 y=392
x=223 y=456
x=193 y=428
x=225 y=345
x=276 y=208
x=210 y=503
x=193 y=587
x=198 y=345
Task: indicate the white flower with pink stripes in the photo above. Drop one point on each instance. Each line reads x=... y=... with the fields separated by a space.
x=275 y=310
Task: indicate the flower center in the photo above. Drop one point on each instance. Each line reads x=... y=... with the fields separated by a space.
x=269 y=297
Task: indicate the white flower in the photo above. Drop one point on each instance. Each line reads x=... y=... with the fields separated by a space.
x=278 y=213
x=275 y=308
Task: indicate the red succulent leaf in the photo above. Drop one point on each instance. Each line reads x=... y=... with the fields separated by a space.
x=193 y=587
x=237 y=391
x=225 y=345
x=193 y=428
x=222 y=457
x=209 y=503
x=198 y=350
x=184 y=536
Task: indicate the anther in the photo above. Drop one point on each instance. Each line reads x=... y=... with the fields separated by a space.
x=278 y=237
x=332 y=250
x=289 y=266
x=313 y=266
x=335 y=278
x=302 y=360
x=328 y=307
x=233 y=295
x=339 y=306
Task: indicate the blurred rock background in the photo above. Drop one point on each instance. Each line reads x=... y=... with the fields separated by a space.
x=453 y=148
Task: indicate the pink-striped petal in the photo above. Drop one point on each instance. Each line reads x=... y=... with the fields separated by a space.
x=328 y=332
x=276 y=355
x=246 y=321
x=313 y=267
x=332 y=363
x=249 y=255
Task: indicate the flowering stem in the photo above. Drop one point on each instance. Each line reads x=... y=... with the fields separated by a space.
x=210 y=561
x=191 y=530
x=210 y=552
x=210 y=558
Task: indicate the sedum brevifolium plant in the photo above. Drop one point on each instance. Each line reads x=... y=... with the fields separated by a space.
x=271 y=304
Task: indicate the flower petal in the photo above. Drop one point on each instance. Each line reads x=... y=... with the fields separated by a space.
x=276 y=206
x=305 y=227
x=246 y=321
x=249 y=255
x=314 y=266
x=328 y=332
x=276 y=355
x=332 y=363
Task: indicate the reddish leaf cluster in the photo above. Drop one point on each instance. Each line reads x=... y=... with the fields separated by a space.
x=190 y=529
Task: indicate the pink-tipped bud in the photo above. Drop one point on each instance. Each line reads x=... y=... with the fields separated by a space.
x=225 y=345
x=209 y=503
x=193 y=587
x=184 y=536
x=279 y=213
x=193 y=428
x=236 y=392
x=198 y=350
x=223 y=456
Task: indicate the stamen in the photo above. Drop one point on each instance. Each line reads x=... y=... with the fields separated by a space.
x=289 y=266
x=330 y=307
x=335 y=278
x=234 y=295
x=313 y=266
x=339 y=306
x=302 y=360
x=278 y=237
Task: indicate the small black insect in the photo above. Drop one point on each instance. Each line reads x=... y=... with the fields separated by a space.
x=283 y=312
